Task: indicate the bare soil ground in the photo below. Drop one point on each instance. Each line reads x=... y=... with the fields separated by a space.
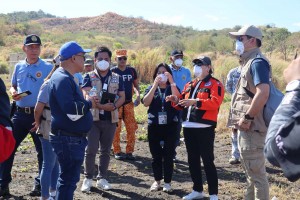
x=132 y=179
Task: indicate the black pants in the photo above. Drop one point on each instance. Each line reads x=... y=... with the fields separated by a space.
x=200 y=143
x=162 y=156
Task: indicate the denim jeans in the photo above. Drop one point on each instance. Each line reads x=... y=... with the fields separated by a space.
x=22 y=124
x=70 y=154
x=50 y=168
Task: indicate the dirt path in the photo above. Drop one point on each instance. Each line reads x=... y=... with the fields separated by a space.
x=132 y=179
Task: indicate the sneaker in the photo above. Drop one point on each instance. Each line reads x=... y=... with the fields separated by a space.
x=86 y=185
x=36 y=191
x=194 y=195
x=49 y=198
x=155 y=186
x=118 y=156
x=4 y=191
x=213 y=197
x=103 y=184
x=234 y=161
x=129 y=156
x=52 y=194
x=175 y=160
x=167 y=187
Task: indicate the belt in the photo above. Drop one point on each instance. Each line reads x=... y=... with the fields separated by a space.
x=27 y=110
x=64 y=133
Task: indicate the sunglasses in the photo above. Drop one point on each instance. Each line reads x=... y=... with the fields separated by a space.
x=122 y=58
x=198 y=64
x=241 y=39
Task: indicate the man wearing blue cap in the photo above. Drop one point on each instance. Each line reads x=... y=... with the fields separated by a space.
x=71 y=118
x=28 y=75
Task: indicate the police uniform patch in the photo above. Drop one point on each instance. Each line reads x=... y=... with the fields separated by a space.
x=93 y=75
x=208 y=84
x=33 y=38
x=38 y=74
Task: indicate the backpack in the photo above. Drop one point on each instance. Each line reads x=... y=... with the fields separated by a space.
x=275 y=98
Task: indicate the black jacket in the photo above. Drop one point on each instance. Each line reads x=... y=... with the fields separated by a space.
x=4 y=106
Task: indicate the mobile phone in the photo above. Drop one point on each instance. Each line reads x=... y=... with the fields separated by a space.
x=25 y=93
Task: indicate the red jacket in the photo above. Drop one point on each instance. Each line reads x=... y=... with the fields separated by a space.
x=210 y=95
x=7 y=143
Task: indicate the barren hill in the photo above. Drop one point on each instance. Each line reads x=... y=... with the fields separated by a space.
x=112 y=23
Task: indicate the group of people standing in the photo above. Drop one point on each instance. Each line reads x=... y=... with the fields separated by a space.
x=73 y=122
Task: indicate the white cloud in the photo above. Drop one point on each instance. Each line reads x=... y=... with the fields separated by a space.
x=296 y=24
x=172 y=20
x=212 y=18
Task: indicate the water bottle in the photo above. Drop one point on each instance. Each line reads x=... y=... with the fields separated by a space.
x=93 y=92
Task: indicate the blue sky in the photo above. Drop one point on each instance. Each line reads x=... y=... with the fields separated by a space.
x=199 y=14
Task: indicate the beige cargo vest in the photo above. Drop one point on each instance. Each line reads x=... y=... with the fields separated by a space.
x=113 y=87
x=240 y=100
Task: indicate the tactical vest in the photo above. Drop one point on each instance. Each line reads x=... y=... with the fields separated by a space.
x=113 y=87
x=241 y=102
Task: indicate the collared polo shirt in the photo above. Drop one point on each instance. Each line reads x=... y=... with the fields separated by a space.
x=30 y=77
x=181 y=76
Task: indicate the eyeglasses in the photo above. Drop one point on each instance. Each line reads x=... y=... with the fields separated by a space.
x=122 y=58
x=81 y=56
x=31 y=77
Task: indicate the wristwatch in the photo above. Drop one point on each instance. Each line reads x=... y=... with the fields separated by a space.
x=248 y=117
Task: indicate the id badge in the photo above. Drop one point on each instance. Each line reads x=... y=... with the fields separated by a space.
x=162 y=117
x=105 y=86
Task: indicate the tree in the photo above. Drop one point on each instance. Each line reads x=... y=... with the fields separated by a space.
x=281 y=38
x=277 y=38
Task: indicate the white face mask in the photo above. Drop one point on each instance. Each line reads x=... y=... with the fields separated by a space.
x=178 y=62
x=197 y=71
x=163 y=78
x=239 y=47
x=102 y=65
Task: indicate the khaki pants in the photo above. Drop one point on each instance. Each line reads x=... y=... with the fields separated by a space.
x=251 y=145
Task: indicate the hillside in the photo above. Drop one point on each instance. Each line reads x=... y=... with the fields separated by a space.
x=114 y=24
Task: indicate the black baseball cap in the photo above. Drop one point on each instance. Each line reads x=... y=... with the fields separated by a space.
x=203 y=60
x=32 y=39
x=177 y=53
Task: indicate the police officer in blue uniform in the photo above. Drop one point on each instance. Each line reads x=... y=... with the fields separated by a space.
x=28 y=75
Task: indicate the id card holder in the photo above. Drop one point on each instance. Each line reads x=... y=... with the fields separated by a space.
x=162 y=118
x=105 y=86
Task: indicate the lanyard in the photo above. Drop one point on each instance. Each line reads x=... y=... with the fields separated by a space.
x=192 y=97
x=162 y=96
